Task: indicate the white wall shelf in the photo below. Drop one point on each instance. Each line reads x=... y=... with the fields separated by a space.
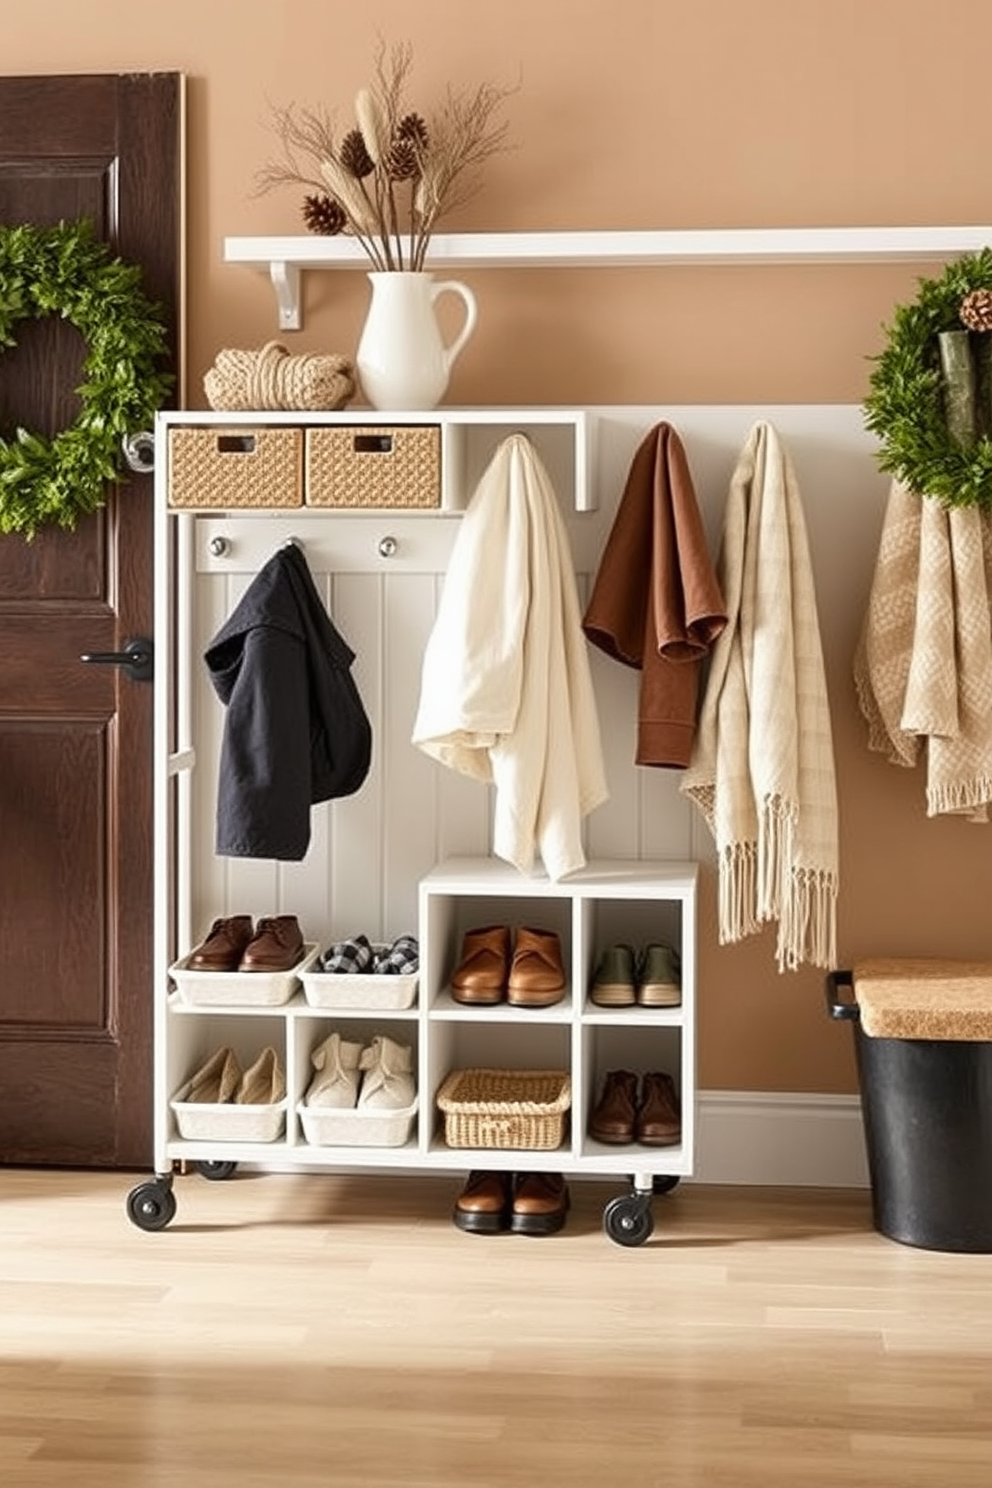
x=284 y=258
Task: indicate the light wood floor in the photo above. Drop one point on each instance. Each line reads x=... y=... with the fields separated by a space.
x=298 y=1331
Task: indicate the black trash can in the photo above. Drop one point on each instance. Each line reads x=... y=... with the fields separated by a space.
x=926 y=1105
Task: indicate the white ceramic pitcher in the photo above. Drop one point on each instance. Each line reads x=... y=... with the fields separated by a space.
x=402 y=361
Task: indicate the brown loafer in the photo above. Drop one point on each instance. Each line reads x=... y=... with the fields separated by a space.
x=277 y=945
x=539 y=1204
x=659 y=1116
x=615 y=1118
x=483 y=1206
x=223 y=946
x=537 y=976
x=480 y=976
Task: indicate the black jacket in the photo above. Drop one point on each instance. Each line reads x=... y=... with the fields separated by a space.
x=296 y=731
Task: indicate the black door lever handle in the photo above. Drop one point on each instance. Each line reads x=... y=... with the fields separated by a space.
x=137 y=659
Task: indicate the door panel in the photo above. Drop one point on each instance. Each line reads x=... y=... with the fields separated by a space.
x=75 y=740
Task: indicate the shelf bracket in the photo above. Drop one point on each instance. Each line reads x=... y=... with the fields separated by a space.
x=286 y=283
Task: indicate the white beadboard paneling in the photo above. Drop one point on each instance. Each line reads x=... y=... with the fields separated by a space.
x=406 y=775
x=354 y=867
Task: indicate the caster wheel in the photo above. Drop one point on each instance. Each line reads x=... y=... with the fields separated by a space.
x=151 y=1206
x=663 y=1183
x=216 y=1171
x=628 y=1220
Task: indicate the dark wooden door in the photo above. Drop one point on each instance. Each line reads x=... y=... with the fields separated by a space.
x=75 y=740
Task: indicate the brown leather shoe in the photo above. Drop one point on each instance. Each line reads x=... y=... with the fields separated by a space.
x=539 y=1204
x=480 y=976
x=223 y=946
x=483 y=1206
x=615 y=1117
x=277 y=945
x=659 y=1117
x=537 y=976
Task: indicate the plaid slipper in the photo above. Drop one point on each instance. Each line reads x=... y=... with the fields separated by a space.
x=349 y=956
x=399 y=959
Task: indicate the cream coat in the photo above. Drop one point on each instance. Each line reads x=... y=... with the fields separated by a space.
x=506 y=689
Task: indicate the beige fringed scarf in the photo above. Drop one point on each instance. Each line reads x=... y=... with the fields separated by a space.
x=762 y=770
x=923 y=664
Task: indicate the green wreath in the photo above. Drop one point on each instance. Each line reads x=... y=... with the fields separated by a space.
x=65 y=270
x=906 y=405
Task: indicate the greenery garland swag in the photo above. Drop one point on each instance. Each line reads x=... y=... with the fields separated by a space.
x=911 y=404
x=65 y=270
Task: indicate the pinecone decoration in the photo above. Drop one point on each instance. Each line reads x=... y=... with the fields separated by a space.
x=413 y=129
x=324 y=215
x=355 y=156
x=402 y=160
x=976 y=310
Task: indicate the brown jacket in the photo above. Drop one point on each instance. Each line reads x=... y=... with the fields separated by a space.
x=656 y=603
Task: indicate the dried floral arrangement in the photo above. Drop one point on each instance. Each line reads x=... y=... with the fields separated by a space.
x=388 y=180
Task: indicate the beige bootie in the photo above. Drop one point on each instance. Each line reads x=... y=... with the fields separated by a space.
x=264 y=1082
x=217 y=1080
x=387 y=1082
x=336 y=1082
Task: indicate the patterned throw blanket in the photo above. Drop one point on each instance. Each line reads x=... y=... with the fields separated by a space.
x=762 y=770
x=923 y=664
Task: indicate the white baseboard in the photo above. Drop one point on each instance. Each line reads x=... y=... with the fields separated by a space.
x=788 y=1140
x=758 y=1138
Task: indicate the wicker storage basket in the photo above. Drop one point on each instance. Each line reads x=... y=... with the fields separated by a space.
x=505 y=1108
x=213 y=469
x=353 y=467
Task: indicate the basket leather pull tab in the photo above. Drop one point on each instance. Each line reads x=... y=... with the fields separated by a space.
x=373 y=444
x=235 y=444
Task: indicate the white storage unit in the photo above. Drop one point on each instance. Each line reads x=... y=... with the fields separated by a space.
x=207 y=558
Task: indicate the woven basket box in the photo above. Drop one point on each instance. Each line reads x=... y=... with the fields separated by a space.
x=214 y=469
x=355 y=468
x=500 y=1109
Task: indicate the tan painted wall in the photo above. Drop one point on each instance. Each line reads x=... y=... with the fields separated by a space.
x=635 y=114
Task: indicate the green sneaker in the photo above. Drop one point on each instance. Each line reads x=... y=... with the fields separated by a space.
x=659 y=977
x=615 y=982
